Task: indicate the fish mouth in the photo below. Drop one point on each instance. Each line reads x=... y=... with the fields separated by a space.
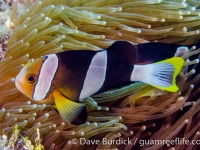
x=19 y=87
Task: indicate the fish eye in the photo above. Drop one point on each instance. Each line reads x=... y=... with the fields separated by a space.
x=31 y=79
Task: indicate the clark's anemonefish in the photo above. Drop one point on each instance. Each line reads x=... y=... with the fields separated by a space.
x=65 y=78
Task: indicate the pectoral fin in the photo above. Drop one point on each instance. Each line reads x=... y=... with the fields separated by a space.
x=70 y=111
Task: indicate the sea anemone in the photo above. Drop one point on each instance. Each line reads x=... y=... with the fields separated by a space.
x=137 y=112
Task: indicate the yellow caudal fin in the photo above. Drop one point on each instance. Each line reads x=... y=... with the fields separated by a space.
x=162 y=74
x=175 y=64
x=70 y=111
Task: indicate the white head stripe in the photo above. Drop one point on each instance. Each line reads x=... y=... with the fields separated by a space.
x=95 y=76
x=45 y=77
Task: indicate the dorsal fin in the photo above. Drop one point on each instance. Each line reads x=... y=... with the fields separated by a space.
x=148 y=53
x=124 y=52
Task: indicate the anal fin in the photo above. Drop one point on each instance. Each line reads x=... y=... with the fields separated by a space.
x=70 y=111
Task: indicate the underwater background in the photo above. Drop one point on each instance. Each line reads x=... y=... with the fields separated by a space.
x=34 y=28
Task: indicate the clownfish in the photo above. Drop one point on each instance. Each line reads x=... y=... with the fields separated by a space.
x=65 y=78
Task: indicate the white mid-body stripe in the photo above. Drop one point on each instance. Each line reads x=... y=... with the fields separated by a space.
x=95 y=76
x=46 y=76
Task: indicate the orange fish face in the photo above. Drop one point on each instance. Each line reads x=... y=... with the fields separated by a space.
x=27 y=78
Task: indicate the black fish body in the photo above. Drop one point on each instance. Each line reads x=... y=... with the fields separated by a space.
x=70 y=76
